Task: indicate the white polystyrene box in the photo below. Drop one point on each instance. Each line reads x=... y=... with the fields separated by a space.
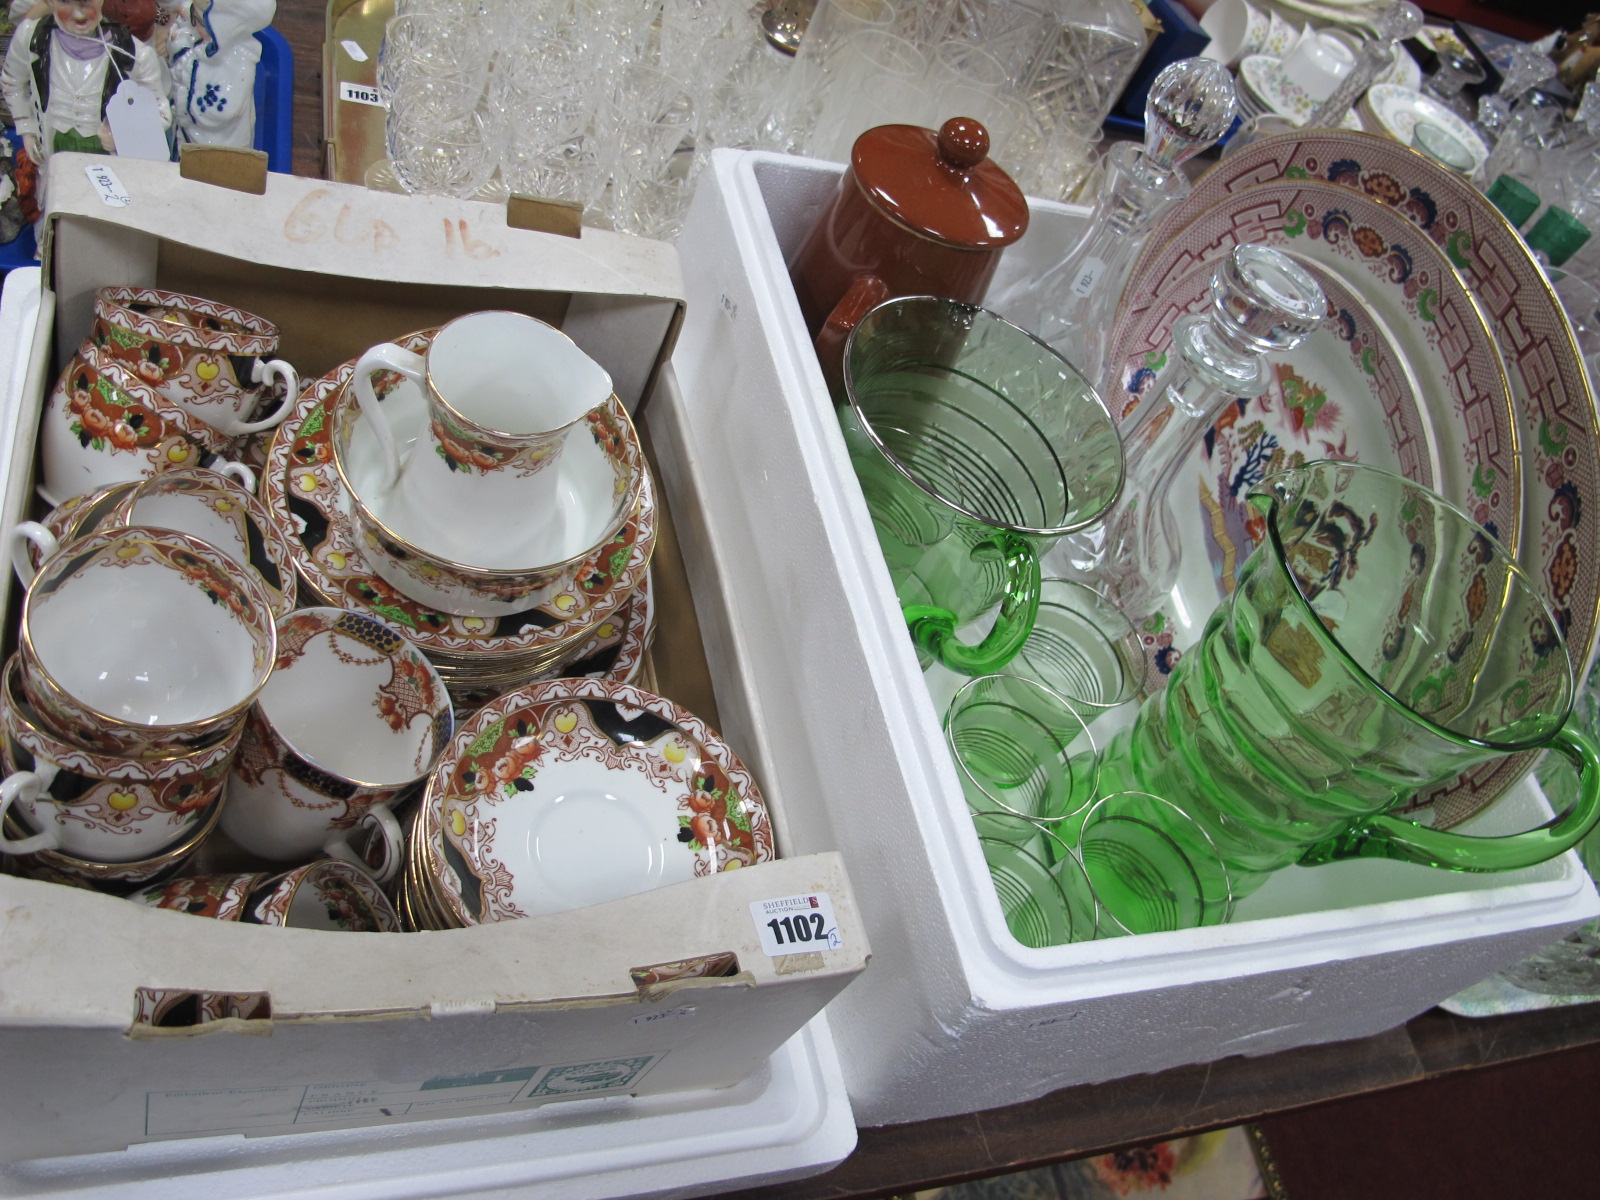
x=790 y=1119
x=956 y=1015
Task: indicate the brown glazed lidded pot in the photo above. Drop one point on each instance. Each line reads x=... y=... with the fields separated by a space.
x=917 y=213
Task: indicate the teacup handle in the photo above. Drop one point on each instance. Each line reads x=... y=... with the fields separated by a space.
x=27 y=786
x=23 y=534
x=269 y=372
x=389 y=837
x=933 y=628
x=386 y=356
x=1385 y=836
x=238 y=472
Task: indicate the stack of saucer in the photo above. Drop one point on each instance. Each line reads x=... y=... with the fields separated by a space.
x=573 y=792
x=600 y=616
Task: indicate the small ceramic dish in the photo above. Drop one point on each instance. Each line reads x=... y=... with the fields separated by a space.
x=574 y=792
x=1398 y=109
x=1265 y=77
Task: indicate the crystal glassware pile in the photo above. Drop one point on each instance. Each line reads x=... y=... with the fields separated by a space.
x=608 y=104
x=613 y=104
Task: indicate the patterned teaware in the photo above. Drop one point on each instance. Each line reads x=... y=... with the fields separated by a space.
x=492 y=482
x=201 y=503
x=212 y=359
x=325 y=894
x=352 y=716
x=139 y=641
x=102 y=425
x=573 y=792
x=101 y=807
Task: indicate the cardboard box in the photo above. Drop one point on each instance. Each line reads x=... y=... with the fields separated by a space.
x=956 y=1015
x=379 y=1029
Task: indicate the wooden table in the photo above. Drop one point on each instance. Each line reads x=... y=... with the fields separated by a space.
x=1093 y=1119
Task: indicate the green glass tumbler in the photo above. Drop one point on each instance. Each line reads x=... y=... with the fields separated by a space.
x=1044 y=893
x=1152 y=867
x=977 y=447
x=1020 y=748
x=1377 y=643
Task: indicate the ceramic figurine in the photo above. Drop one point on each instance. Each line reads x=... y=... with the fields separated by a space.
x=213 y=60
x=60 y=73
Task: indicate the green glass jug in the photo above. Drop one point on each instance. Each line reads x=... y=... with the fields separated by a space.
x=977 y=447
x=1378 y=642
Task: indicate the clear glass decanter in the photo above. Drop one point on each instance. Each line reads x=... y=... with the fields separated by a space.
x=1261 y=301
x=1191 y=104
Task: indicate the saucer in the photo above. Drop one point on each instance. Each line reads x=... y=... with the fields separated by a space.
x=1397 y=110
x=300 y=488
x=574 y=792
x=1263 y=75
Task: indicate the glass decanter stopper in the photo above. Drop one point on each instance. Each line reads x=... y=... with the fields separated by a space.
x=1261 y=301
x=1393 y=25
x=1191 y=104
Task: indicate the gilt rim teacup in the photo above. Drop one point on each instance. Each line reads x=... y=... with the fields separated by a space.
x=99 y=807
x=103 y=425
x=221 y=512
x=57 y=867
x=352 y=716
x=140 y=641
x=213 y=359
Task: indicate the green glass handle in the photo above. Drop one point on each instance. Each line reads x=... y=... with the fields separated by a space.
x=1405 y=841
x=933 y=628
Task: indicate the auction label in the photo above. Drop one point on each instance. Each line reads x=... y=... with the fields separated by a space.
x=796 y=924
x=360 y=93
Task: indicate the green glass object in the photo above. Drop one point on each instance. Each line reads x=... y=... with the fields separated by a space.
x=1377 y=643
x=1152 y=867
x=977 y=447
x=1514 y=198
x=1082 y=646
x=1559 y=234
x=1020 y=748
x=1045 y=903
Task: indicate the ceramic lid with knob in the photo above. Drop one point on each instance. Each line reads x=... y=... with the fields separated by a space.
x=941 y=185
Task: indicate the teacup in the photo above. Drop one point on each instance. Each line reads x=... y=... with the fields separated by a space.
x=144 y=642
x=352 y=716
x=56 y=866
x=506 y=394
x=1237 y=28
x=103 y=425
x=222 y=513
x=100 y=807
x=1317 y=64
x=202 y=504
x=326 y=894
x=600 y=479
x=214 y=360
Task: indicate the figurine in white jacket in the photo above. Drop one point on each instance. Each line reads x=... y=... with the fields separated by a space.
x=60 y=73
x=213 y=61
